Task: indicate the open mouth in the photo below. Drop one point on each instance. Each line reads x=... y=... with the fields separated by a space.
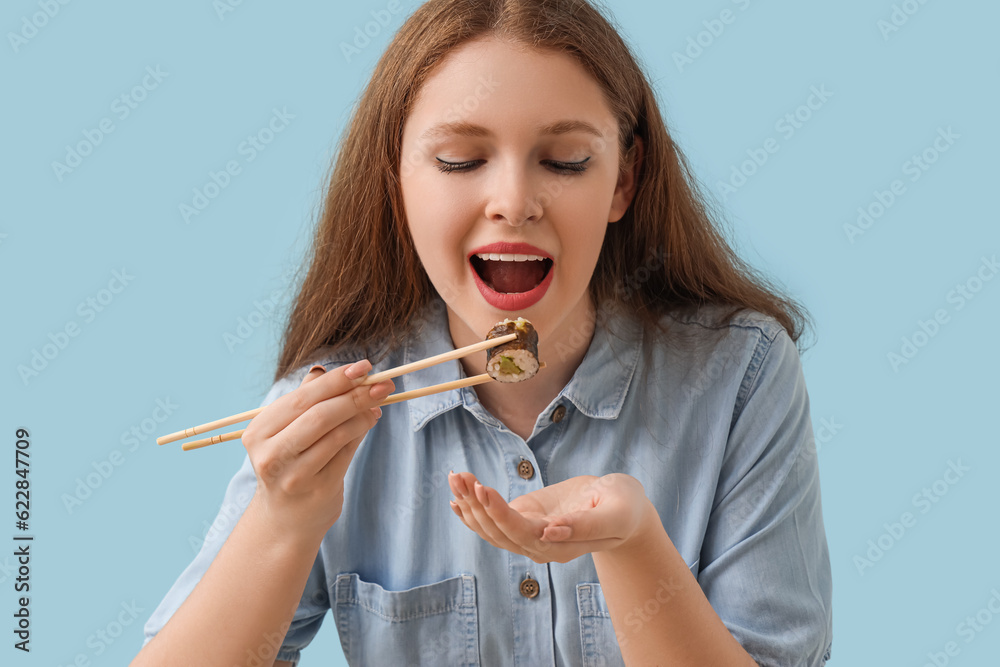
x=511 y=273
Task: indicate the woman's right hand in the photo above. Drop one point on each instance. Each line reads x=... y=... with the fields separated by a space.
x=301 y=445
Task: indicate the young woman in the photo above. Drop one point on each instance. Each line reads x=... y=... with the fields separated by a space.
x=650 y=497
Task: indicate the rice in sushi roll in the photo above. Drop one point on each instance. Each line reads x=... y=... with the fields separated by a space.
x=516 y=360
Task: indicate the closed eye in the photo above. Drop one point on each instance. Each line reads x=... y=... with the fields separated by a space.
x=560 y=167
x=456 y=166
x=570 y=167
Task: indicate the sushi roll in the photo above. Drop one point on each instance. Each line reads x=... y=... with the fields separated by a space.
x=515 y=360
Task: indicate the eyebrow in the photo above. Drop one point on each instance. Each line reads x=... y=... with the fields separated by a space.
x=463 y=129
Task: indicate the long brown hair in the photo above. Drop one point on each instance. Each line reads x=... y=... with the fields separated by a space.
x=365 y=282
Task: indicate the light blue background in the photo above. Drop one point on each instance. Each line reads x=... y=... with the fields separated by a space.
x=163 y=336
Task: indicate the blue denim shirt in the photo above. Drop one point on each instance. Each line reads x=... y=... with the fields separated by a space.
x=718 y=432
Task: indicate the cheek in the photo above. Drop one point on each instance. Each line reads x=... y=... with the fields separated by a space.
x=585 y=208
x=428 y=194
x=436 y=231
x=439 y=217
x=584 y=221
x=421 y=206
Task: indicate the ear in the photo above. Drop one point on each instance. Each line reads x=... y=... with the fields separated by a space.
x=628 y=181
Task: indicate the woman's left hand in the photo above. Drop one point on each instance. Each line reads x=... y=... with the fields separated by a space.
x=558 y=522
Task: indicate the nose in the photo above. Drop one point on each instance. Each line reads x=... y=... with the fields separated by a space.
x=513 y=199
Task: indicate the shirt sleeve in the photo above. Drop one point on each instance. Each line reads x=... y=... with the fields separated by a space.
x=765 y=565
x=314 y=603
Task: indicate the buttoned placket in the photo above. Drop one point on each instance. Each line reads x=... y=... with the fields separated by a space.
x=530 y=587
x=529 y=584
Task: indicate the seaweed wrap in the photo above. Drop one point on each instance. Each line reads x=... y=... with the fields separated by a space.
x=516 y=360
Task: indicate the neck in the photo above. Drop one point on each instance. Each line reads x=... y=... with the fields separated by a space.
x=518 y=404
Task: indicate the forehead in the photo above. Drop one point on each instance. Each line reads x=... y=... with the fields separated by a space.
x=501 y=86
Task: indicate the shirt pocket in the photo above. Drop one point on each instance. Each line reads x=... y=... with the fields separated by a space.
x=598 y=641
x=435 y=624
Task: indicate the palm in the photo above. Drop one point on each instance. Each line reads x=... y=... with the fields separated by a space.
x=572 y=495
x=558 y=522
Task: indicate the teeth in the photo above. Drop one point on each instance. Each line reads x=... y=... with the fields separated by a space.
x=495 y=257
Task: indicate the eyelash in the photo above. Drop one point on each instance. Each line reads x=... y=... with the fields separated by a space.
x=562 y=167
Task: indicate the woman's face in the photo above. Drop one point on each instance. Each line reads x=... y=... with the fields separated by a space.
x=509 y=177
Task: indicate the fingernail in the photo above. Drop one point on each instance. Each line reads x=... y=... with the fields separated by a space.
x=322 y=368
x=479 y=488
x=378 y=412
x=358 y=369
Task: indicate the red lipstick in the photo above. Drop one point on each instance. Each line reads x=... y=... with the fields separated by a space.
x=518 y=301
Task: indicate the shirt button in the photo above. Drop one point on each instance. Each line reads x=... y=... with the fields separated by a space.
x=525 y=469
x=529 y=588
x=558 y=414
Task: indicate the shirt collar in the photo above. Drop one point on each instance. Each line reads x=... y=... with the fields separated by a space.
x=430 y=336
x=600 y=384
x=597 y=389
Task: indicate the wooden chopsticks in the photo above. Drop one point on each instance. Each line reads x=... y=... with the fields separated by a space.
x=371 y=379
